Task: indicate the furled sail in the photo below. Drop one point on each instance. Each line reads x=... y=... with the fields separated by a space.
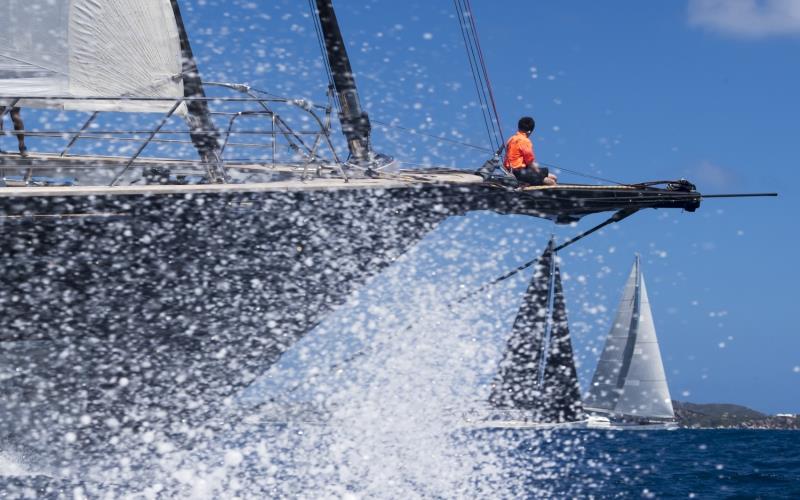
x=90 y=48
x=630 y=378
x=537 y=373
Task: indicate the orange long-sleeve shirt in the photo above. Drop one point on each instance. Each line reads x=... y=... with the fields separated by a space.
x=519 y=151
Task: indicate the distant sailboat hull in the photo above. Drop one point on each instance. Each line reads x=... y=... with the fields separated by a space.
x=628 y=422
x=525 y=419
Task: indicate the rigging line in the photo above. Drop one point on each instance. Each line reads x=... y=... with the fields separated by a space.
x=485 y=70
x=581 y=174
x=476 y=54
x=288 y=100
x=468 y=48
x=472 y=68
x=320 y=40
x=417 y=132
x=323 y=50
x=476 y=80
x=472 y=36
x=618 y=216
x=480 y=62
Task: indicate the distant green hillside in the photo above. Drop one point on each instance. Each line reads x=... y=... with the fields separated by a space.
x=729 y=416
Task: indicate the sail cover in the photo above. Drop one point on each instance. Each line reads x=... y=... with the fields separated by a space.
x=630 y=378
x=90 y=48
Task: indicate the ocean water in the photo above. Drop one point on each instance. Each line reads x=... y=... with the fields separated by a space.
x=683 y=463
x=505 y=464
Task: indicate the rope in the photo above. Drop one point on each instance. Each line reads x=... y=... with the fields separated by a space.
x=323 y=50
x=581 y=174
x=618 y=216
x=475 y=74
x=485 y=71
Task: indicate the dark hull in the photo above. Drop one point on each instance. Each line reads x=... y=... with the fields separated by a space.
x=159 y=309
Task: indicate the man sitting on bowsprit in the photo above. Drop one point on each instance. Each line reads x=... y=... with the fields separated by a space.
x=521 y=160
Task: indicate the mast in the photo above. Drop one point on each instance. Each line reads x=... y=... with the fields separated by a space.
x=203 y=132
x=355 y=121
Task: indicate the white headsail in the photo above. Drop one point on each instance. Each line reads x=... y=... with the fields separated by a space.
x=90 y=48
x=630 y=378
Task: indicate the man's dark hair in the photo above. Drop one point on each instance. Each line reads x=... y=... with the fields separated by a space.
x=526 y=124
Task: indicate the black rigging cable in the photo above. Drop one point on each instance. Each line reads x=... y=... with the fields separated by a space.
x=476 y=78
x=581 y=174
x=485 y=71
x=618 y=216
x=323 y=50
x=480 y=68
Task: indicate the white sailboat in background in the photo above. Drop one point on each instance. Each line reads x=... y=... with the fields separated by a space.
x=629 y=385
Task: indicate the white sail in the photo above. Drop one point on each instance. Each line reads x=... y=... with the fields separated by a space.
x=90 y=48
x=630 y=378
x=604 y=390
x=645 y=391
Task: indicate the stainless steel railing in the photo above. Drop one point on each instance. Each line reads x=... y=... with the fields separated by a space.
x=310 y=145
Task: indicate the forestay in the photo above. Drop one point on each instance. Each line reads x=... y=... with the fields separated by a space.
x=90 y=48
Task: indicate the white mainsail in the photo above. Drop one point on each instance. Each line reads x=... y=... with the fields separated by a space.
x=630 y=378
x=90 y=48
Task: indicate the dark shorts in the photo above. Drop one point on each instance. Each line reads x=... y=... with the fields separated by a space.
x=530 y=176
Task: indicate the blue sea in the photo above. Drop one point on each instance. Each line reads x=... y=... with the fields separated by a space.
x=681 y=464
x=529 y=464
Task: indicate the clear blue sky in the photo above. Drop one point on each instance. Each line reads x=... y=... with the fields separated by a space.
x=625 y=89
